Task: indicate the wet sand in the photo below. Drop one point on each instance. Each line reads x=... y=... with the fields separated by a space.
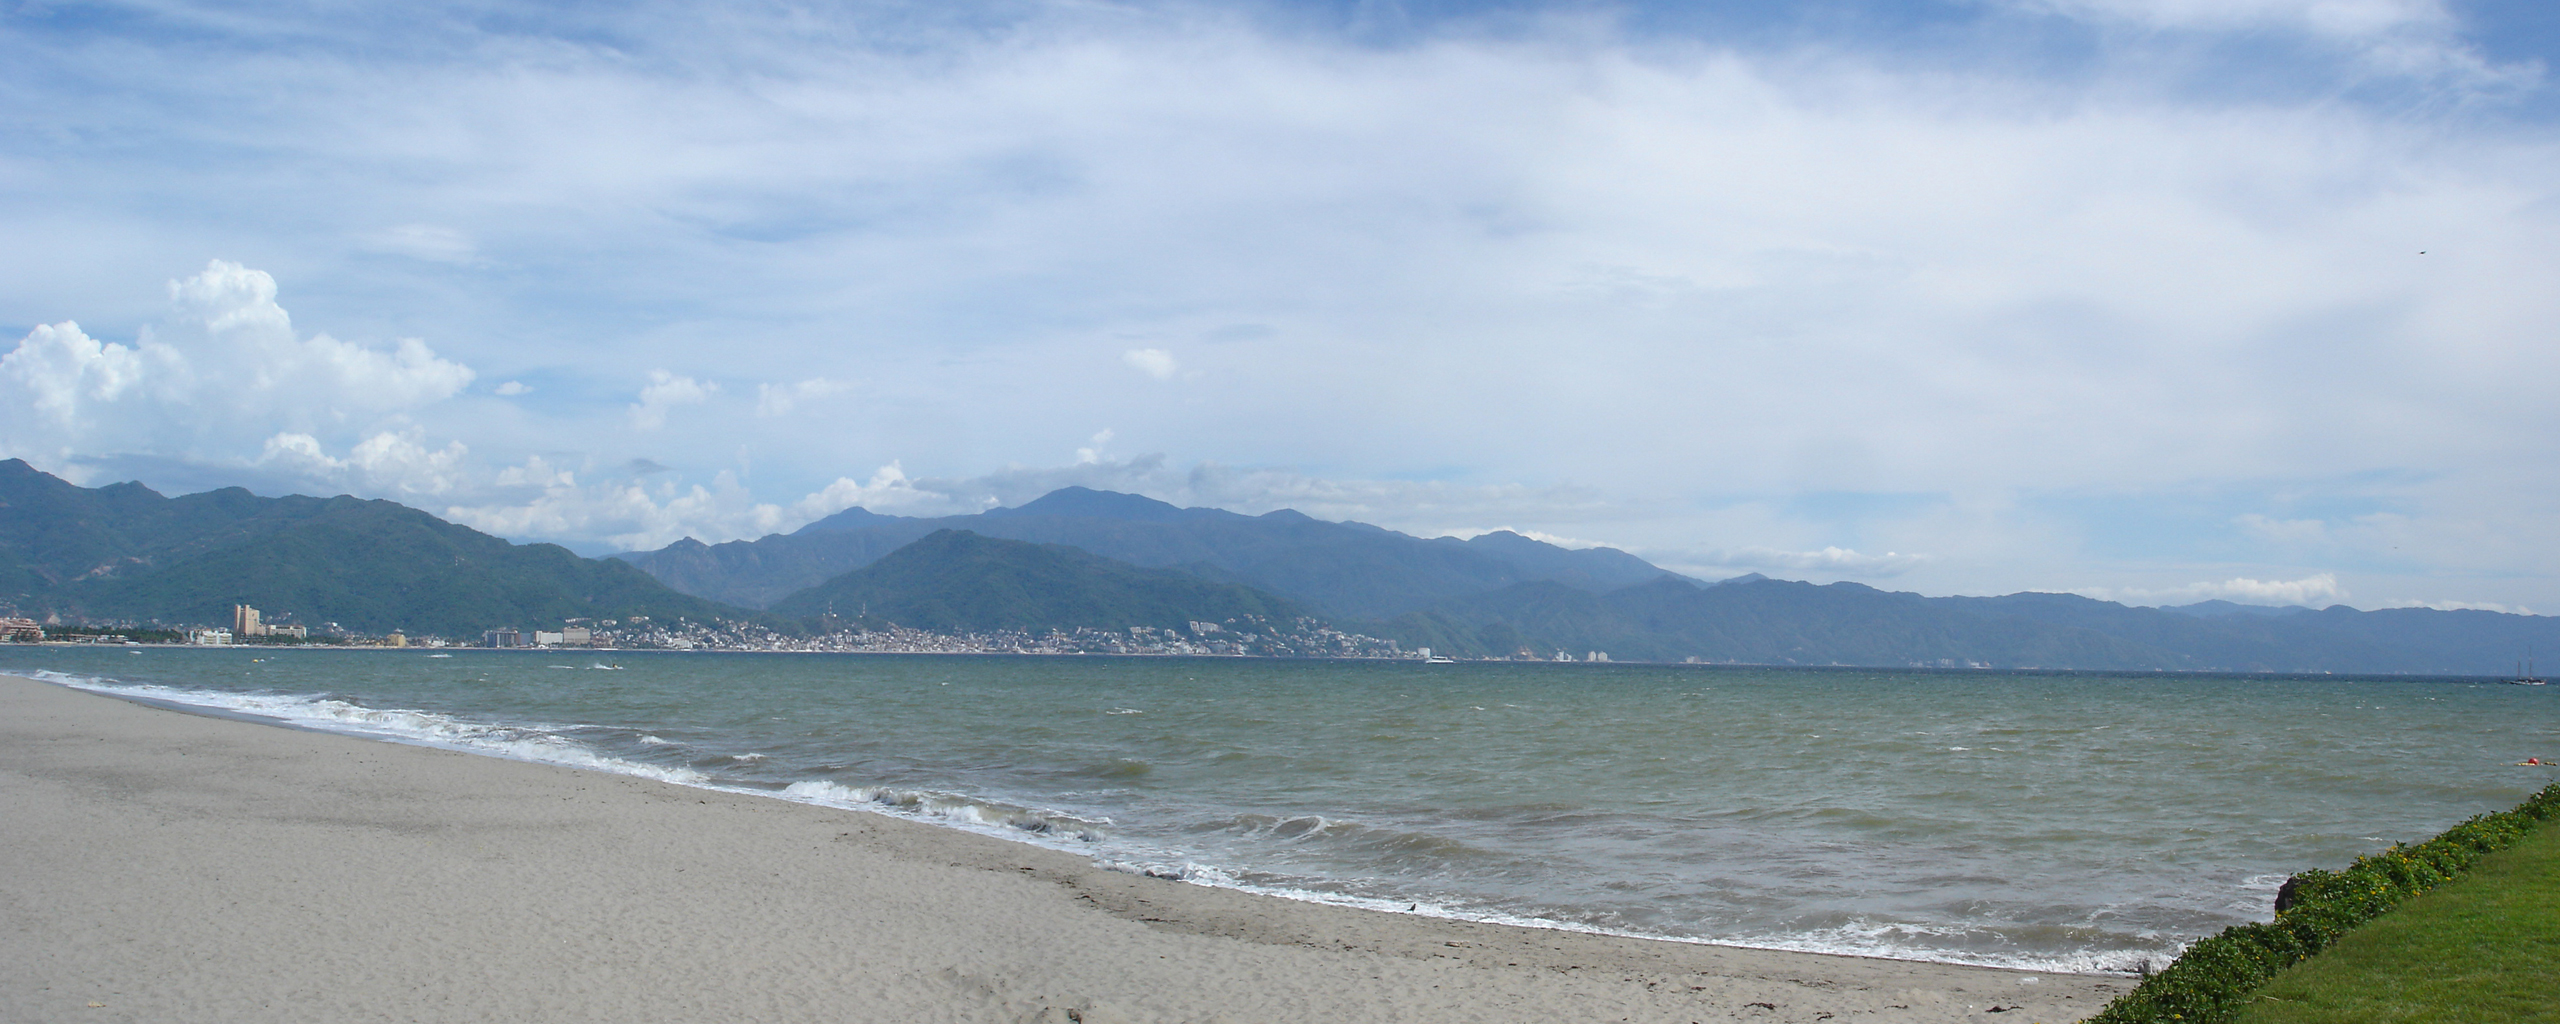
x=160 y=866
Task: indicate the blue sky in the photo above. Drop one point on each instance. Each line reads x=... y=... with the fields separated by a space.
x=2151 y=301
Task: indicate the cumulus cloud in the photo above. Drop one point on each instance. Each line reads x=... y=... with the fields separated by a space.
x=1153 y=362
x=224 y=371
x=2313 y=591
x=631 y=511
x=1827 y=561
x=544 y=500
x=1093 y=455
x=1650 y=289
x=665 y=391
x=781 y=399
x=513 y=388
x=396 y=463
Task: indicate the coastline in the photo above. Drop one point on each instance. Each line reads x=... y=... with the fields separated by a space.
x=164 y=865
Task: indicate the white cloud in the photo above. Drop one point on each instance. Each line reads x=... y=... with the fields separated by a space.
x=1093 y=455
x=1677 y=276
x=513 y=388
x=2340 y=18
x=2457 y=606
x=395 y=463
x=666 y=391
x=1571 y=543
x=1828 y=561
x=224 y=372
x=426 y=242
x=60 y=374
x=2314 y=591
x=637 y=514
x=1153 y=362
x=781 y=399
x=2284 y=531
x=2416 y=39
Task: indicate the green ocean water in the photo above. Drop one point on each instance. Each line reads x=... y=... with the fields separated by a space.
x=2068 y=821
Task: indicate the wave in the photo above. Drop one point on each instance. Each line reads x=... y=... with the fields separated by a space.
x=324 y=713
x=1092 y=837
x=949 y=807
x=544 y=744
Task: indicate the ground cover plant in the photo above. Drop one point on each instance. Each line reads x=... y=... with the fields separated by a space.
x=2220 y=975
x=2485 y=950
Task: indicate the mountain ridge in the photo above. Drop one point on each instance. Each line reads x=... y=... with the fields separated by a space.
x=1352 y=570
x=126 y=553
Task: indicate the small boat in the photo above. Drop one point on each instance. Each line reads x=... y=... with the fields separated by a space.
x=2524 y=672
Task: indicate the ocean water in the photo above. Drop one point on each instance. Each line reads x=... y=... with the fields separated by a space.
x=2066 y=821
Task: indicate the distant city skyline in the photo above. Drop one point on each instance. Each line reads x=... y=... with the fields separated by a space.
x=2153 y=302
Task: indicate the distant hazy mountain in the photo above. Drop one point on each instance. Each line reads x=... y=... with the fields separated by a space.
x=956 y=580
x=1341 y=569
x=1758 y=622
x=1764 y=621
x=126 y=552
x=1082 y=557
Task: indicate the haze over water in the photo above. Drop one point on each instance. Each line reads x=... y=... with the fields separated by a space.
x=2062 y=821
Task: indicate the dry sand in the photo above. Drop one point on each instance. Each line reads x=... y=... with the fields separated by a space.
x=164 y=867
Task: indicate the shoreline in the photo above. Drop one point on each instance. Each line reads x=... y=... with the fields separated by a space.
x=166 y=865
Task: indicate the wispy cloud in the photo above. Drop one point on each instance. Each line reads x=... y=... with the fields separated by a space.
x=2169 y=248
x=2311 y=591
x=664 y=392
x=1828 y=561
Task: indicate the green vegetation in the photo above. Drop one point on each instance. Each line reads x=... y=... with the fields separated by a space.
x=2485 y=949
x=2220 y=975
x=126 y=554
x=954 y=580
x=115 y=633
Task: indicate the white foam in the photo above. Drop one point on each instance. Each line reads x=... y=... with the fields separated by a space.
x=423 y=728
x=948 y=809
x=1050 y=829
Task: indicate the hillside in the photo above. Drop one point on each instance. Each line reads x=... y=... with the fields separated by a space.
x=125 y=552
x=1342 y=569
x=954 y=580
x=1770 y=622
x=1763 y=621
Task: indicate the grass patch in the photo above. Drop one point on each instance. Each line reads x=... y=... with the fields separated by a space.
x=2219 y=975
x=2485 y=947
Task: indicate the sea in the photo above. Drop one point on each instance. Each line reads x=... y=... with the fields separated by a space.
x=2068 y=821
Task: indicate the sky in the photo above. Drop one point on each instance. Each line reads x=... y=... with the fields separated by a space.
x=2155 y=302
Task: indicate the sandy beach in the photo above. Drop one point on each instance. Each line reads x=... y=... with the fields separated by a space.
x=160 y=866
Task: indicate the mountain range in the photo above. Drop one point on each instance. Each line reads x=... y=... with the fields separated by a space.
x=1505 y=595
x=126 y=553
x=1347 y=570
x=954 y=580
x=1079 y=557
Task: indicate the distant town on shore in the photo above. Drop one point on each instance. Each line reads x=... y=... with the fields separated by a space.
x=1080 y=571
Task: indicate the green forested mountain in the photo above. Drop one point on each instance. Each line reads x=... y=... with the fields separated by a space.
x=1348 y=569
x=125 y=552
x=956 y=580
